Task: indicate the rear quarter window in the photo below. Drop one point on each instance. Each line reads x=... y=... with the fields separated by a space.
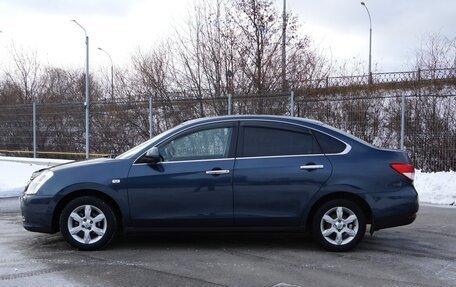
x=329 y=144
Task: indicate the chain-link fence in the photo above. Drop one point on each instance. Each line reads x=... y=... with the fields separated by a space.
x=429 y=122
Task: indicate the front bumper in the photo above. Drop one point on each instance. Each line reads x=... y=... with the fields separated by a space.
x=37 y=212
x=391 y=209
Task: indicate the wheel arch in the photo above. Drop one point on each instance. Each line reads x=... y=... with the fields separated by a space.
x=85 y=192
x=340 y=195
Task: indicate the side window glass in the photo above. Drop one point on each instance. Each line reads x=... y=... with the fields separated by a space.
x=204 y=144
x=329 y=144
x=262 y=141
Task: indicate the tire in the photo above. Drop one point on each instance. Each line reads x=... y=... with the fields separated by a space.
x=338 y=225
x=88 y=223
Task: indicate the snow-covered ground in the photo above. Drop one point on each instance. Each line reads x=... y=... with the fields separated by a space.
x=434 y=188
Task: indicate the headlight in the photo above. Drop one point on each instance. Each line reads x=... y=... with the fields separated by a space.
x=38 y=181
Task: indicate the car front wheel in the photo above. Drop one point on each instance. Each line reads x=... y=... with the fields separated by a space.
x=88 y=223
x=339 y=225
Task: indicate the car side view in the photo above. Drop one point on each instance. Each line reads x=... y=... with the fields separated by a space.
x=231 y=173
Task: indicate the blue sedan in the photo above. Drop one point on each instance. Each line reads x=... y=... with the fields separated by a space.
x=234 y=173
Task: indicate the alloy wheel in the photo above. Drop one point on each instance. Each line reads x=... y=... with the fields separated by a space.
x=339 y=225
x=87 y=224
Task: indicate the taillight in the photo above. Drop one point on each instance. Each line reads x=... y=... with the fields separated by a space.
x=405 y=169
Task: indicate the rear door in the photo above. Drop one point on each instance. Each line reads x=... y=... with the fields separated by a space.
x=277 y=170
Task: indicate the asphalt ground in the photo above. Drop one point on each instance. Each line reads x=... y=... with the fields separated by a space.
x=420 y=254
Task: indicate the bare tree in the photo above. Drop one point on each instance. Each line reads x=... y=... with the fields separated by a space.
x=436 y=51
x=25 y=73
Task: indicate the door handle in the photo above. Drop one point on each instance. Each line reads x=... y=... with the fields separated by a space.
x=312 y=166
x=218 y=171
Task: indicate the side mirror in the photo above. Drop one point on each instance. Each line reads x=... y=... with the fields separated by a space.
x=153 y=155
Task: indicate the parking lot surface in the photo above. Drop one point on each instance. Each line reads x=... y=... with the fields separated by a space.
x=420 y=254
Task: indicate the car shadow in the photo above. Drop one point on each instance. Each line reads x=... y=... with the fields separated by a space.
x=203 y=241
x=212 y=240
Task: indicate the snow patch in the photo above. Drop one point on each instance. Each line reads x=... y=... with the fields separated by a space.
x=14 y=177
x=436 y=187
x=37 y=161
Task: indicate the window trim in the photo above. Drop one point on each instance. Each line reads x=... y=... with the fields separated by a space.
x=186 y=161
x=236 y=123
x=279 y=156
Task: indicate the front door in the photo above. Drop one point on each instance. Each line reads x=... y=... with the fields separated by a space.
x=191 y=186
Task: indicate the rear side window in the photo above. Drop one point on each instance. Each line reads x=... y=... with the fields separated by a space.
x=329 y=144
x=262 y=141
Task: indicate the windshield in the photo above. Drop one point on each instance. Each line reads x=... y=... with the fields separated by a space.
x=131 y=152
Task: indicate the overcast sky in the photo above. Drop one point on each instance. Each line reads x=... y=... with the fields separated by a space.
x=339 y=27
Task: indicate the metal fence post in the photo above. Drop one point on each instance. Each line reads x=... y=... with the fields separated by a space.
x=292 y=103
x=402 y=121
x=229 y=104
x=87 y=127
x=150 y=117
x=34 y=129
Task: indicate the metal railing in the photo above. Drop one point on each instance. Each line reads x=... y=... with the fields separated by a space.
x=420 y=75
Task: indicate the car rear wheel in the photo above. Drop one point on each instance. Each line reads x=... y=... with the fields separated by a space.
x=88 y=223
x=338 y=225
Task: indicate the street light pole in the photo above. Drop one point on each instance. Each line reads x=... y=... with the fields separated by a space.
x=370 y=43
x=112 y=72
x=87 y=89
x=284 y=55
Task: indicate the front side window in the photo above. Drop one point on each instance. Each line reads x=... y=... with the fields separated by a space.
x=204 y=144
x=262 y=141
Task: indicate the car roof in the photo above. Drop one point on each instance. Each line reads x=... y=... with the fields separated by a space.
x=255 y=117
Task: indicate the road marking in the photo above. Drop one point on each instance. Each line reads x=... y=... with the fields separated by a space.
x=444 y=268
x=285 y=285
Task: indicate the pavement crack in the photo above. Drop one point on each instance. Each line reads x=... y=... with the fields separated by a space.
x=148 y=268
x=324 y=268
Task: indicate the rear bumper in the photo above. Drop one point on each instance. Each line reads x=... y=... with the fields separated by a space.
x=37 y=213
x=394 y=208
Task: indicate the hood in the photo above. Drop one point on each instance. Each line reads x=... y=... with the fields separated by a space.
x=82 y=163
